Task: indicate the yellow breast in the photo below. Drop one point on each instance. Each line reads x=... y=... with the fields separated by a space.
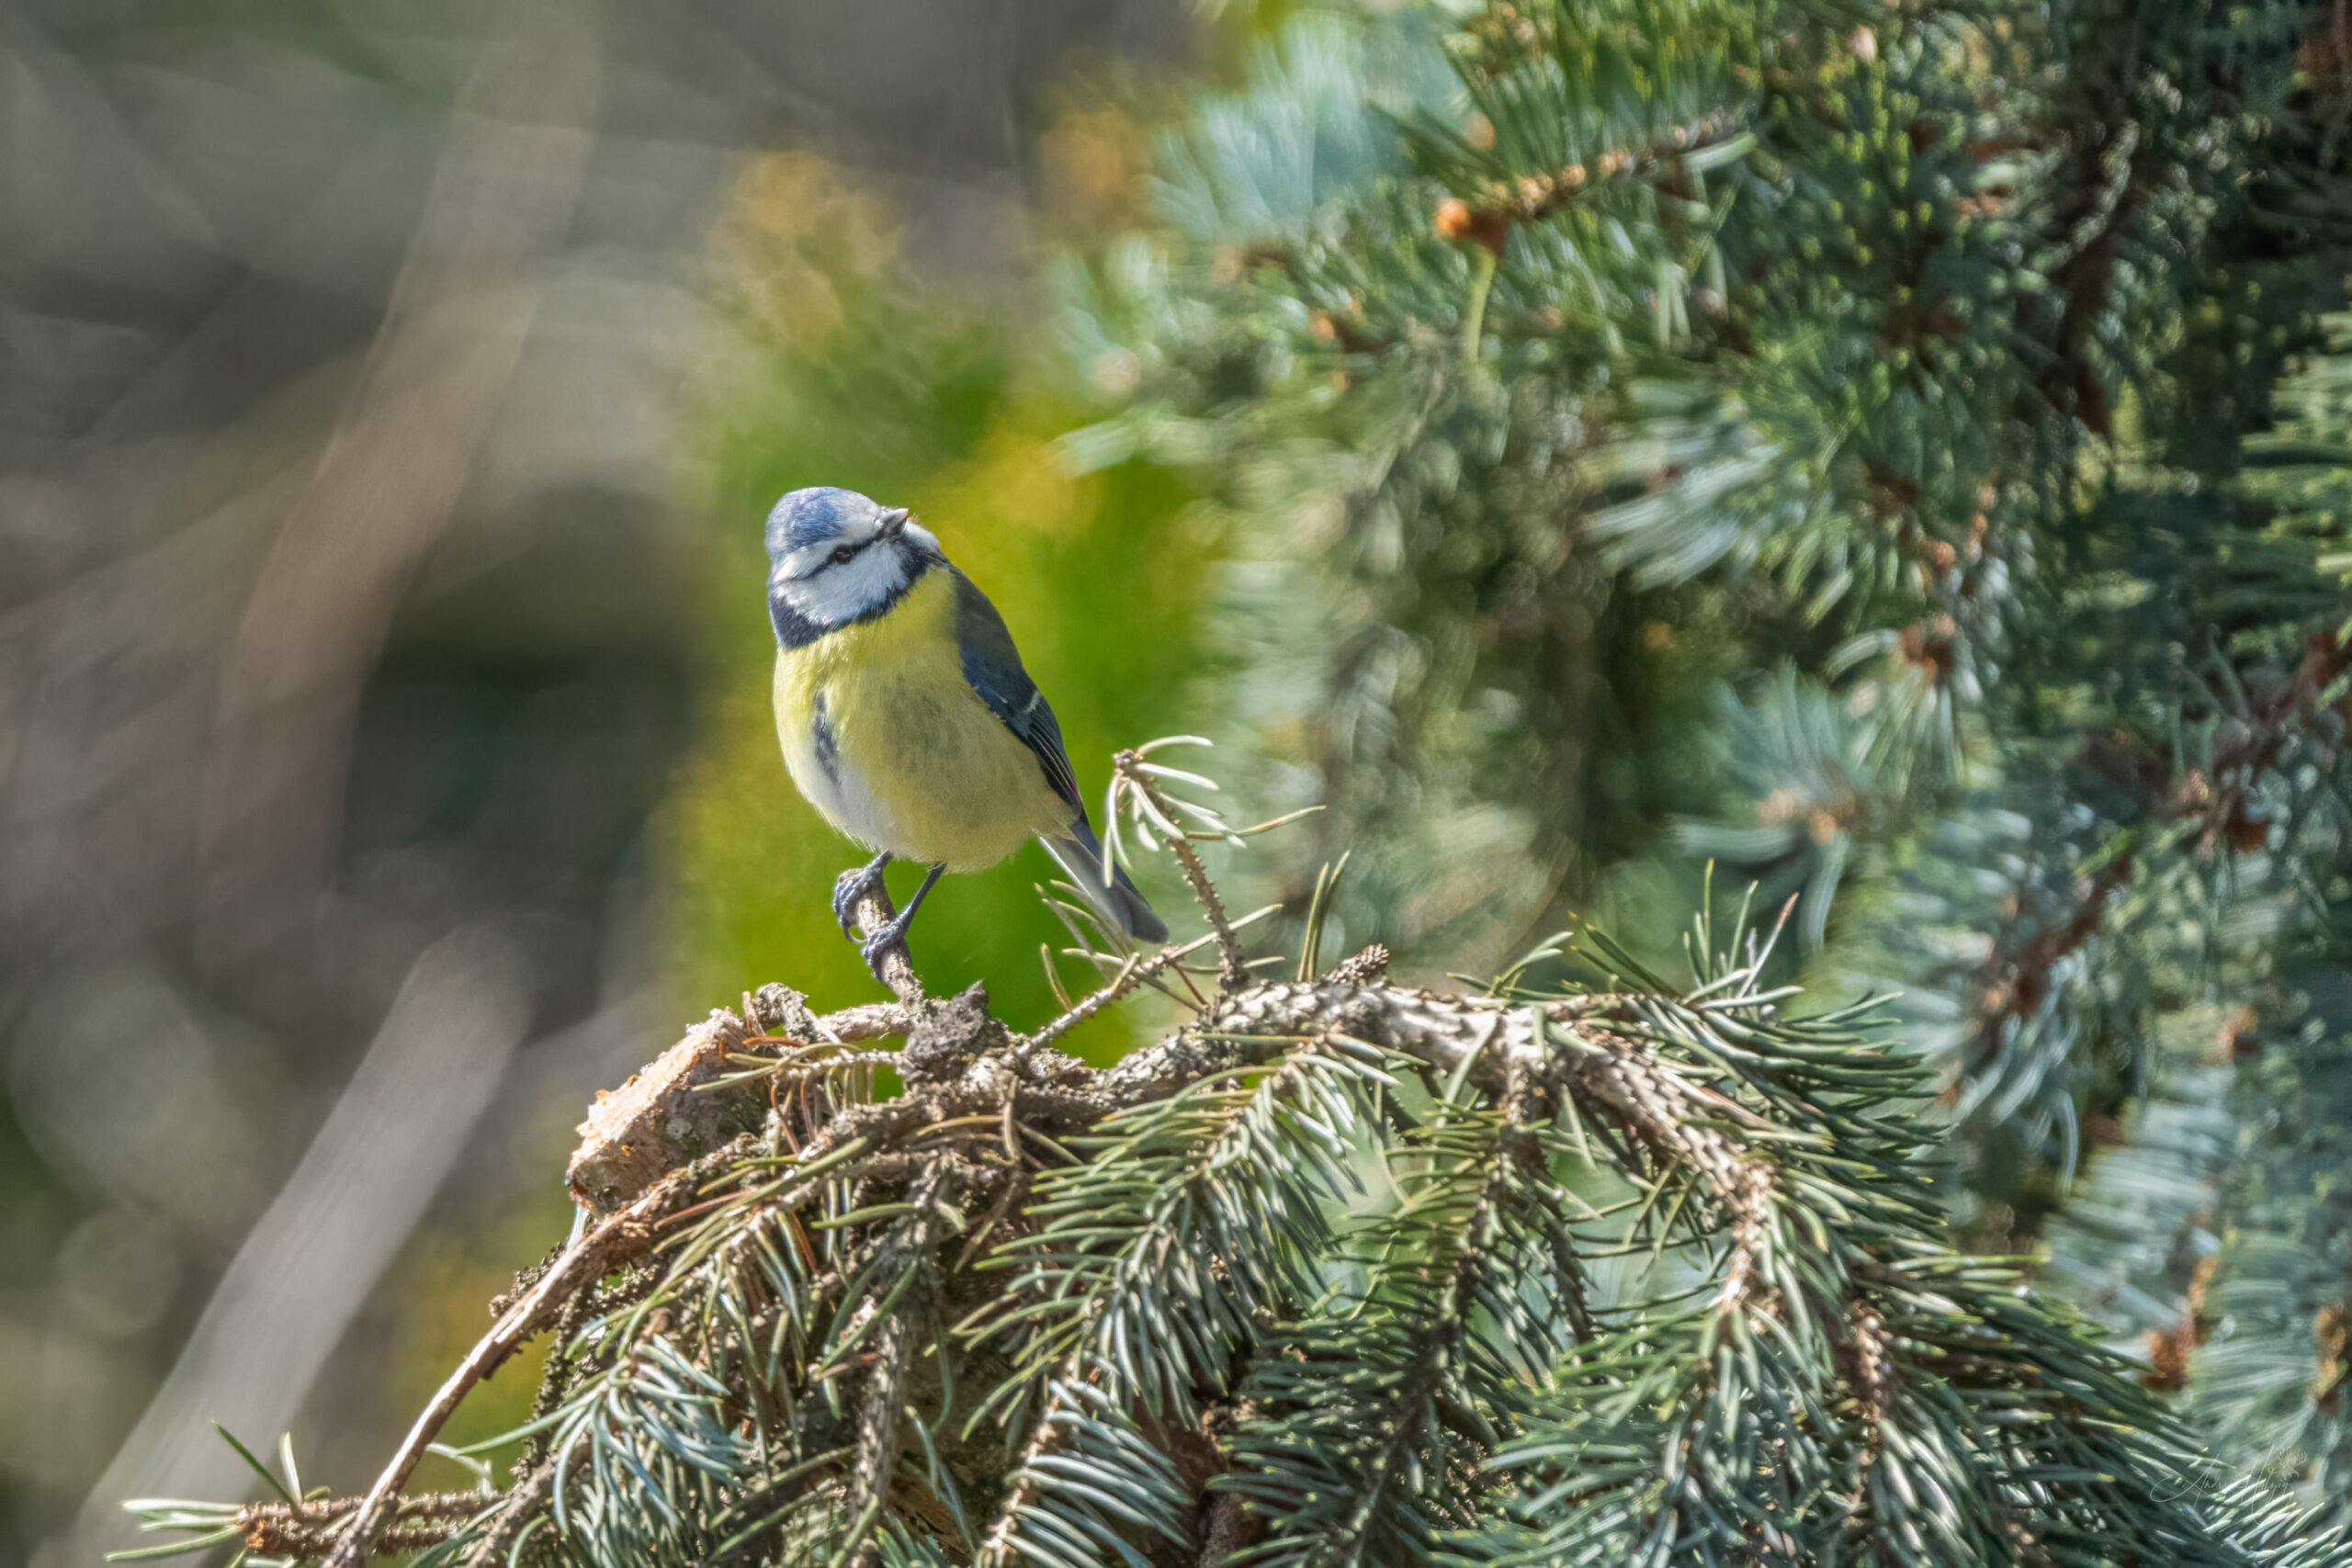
x=917 y=764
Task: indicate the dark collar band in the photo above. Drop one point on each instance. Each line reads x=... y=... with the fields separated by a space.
x=794 y=629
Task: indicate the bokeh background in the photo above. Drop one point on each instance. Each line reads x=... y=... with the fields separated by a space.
x=390 y=394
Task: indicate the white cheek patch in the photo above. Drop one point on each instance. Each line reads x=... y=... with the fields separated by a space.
x=839 y=594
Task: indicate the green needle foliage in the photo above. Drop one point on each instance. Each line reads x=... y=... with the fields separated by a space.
x=1895 y=453
x=1340 y=1272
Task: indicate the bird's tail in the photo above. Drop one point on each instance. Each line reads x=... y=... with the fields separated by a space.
x=1080 y=855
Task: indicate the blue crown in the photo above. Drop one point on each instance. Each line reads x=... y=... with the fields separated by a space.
x=811 y=516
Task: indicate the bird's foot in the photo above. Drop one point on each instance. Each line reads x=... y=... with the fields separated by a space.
x=876 y=949
x=852 y=888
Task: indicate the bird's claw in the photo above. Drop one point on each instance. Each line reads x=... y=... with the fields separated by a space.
x=851 y=889
x=876 y=949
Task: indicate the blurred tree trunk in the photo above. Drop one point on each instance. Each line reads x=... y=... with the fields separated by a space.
x=391 y=476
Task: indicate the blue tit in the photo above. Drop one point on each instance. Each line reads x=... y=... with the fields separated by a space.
x=906 y=718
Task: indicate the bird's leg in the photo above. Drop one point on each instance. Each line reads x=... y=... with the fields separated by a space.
x=893 y=936
x=855 y=885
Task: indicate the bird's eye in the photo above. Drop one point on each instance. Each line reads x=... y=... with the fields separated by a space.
x=844 y=555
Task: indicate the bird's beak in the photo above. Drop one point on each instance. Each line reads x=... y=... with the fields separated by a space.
x=894 y=521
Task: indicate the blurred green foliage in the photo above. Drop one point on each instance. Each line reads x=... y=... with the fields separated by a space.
x=838 y=368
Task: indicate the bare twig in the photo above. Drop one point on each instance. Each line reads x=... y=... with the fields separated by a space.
x=1368 y=967
x=1135 y=972
x=586 y=1261
x=874 y=912
x=1233 y=965
x=1867 y=1361
x=869 y=1020
x=663 y=1117
x=520 y=1505
x=1501 y=205
x=882 y=1413
x=309 y=1530
x=1016 y=1185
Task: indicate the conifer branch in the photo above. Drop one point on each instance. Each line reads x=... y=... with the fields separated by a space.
x=2210 y=809
x=310 y=1528
x=1232 y=1175
x=518 y=1509
x=617 y=1239
x=1136 y=971
x=1494 y=207
x=1151 y=805
x=1170 y=1304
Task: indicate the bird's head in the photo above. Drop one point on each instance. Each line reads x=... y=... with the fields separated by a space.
x=836 y=558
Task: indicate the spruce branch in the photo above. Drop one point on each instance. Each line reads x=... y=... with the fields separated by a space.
x=1233 y=1174
x=1153 y=811
x=518 y=1509
x=1308 y=1281
x=1497 y=202
x=1136 y=971
x=613 y=1241
x=310 y=1528
x=2212 y=808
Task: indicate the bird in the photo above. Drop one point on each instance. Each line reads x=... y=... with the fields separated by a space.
x=906 y=716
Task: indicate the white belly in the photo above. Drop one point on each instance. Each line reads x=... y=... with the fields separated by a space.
x=850 y=803
x=887 y=739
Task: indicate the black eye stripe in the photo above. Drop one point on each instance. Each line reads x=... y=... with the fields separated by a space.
x=829 y=562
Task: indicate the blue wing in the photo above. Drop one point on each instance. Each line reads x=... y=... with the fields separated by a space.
x=992 y=665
